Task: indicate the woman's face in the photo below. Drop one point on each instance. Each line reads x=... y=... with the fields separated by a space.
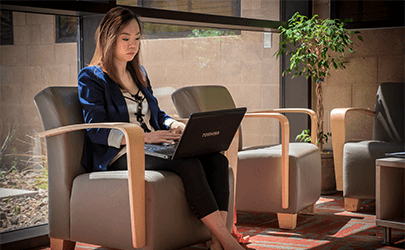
x=127 y=45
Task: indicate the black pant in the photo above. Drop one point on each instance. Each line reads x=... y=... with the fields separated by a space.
x=205 y=179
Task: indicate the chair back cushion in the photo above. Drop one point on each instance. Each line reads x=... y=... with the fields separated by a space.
x=60 y=106
x=192 y=99
x=389 y=113
x=188 y=100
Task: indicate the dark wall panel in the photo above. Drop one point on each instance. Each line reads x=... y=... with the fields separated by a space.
x=296 y=92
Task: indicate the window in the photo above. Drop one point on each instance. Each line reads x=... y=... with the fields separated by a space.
x=222 y=7
x=369 y=14
x=230 y=61
x=33 y=59
x=66 y=29
x=6 y=27
x=214 y=7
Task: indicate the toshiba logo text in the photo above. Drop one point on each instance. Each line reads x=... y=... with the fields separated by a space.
x=209 y=134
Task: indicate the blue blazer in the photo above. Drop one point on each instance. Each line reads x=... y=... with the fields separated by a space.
x=102 y=101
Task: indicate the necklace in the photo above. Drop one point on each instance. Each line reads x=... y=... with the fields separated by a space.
x=139 y=116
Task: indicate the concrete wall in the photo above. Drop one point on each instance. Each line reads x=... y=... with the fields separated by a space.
x=380 y=58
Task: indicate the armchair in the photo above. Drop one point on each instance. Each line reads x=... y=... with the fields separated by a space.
x=355 y=167
x=134 y=209
x=284 y=179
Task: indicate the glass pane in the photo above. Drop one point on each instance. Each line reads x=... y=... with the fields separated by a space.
x=240 y=62
x=34 y=61
x=214 y=7
x=266 y=10
x=263 y=9
x=160 y=31
x=66 y=29
x=6 y=27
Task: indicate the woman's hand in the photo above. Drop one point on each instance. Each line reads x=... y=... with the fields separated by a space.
x=157 y=137
x=161 y=136
x=177 y=127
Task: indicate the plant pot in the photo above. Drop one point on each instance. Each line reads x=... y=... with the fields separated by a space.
x=328 y=173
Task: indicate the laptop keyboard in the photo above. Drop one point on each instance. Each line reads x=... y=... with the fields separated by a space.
x=162 y=149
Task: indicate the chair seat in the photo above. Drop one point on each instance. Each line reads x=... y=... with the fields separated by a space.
x=259 y=171
x=359 y=169
x=168 y=214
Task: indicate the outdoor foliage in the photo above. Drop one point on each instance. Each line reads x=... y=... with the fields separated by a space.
x=4 y=145
x=210 y=32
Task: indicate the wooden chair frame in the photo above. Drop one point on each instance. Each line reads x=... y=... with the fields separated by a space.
x=136 y=176
x=338 y=127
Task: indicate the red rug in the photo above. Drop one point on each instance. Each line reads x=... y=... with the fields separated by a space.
x=330 y=228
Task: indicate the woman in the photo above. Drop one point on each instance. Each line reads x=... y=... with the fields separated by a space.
x=116 y=88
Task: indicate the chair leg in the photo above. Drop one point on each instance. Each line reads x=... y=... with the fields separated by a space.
x=287 y=221
x=58 y=244
x=352 y=205
x=311 y=210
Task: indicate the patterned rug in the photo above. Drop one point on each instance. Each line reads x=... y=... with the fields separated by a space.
x=330 y=228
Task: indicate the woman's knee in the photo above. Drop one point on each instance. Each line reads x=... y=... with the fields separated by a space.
x=221 y=163
x=189 y=167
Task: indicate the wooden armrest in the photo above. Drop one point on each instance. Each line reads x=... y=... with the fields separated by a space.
x=285 y=138
x=136 y=170
x=338 y=128
x=310 y=112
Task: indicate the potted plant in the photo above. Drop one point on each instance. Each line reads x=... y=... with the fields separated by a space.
x=315 y=47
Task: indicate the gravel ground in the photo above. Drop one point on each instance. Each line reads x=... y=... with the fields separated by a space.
x=20 y=212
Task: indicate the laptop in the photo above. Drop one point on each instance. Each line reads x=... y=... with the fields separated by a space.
x=396 y=154
x=205 y=132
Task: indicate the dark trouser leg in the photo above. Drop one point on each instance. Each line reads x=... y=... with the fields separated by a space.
x=216 y=169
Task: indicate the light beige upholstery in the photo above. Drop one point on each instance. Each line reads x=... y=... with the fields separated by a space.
x=259 y=182
x=103 y=208
x=355 y=167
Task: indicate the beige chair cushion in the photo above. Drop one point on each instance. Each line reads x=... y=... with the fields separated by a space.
x=259 y=178
x=168 y=214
